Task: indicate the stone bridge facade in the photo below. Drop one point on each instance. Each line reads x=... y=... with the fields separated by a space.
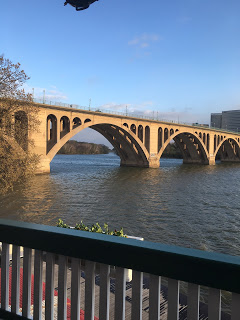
x=138 y=142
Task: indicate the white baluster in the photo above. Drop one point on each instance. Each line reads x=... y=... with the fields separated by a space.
x=38 y=270
x=154 y=297
x=62 y=288
x=120 y=293
x=214 y=304
x=26 y=298
x=5 y=276
x=89 y=290
x=173 y=299
x=15 y=279
x=193 y=301
x=137 y=282
x=235 y=306
x=49 y=297
x=104 y=291
x=75 y=289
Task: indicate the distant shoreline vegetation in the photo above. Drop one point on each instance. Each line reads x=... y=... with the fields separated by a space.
x=76 y=147
x=172 y=151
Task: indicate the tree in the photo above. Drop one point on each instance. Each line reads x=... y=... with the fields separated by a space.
x=18 y=117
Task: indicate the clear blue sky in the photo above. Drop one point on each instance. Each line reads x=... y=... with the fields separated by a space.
x=178 y=58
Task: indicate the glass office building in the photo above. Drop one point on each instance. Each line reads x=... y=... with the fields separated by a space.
x=228 y=120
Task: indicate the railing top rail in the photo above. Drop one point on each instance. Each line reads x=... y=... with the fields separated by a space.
x=204 y=268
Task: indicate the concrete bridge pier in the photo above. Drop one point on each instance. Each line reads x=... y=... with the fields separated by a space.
x=211 y=160
x=154 y=162
x=43 y=166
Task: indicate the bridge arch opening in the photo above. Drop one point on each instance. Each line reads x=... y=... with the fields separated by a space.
x=133 y=128
x=147 y=138
x=140 y=132
x=191 y=148
x=76 y=122
x=160 y=142
x=228 y=151
x=51 y=131
x=165 y=135
x=64 y=126
x=127 y=145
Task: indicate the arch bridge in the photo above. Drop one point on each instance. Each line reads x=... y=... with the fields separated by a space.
x=138 y=142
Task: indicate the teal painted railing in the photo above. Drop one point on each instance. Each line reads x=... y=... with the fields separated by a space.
x=198 y=268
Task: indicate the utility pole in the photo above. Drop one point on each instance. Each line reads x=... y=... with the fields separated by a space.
x=90 y=104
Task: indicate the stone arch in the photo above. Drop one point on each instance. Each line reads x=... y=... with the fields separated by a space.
x=165 y=134
x=87 y=120
x=191 y=147
x=171 y=132
x=76 y=122
x=215 y=143
x=64 y=126
x=140 y=132
x=229 y=150
x=147 y=138
x=160 y=138
x=51 y=131
x=204 y=138
x=21 y=129
x=128 y=146
x=125 y=125
x=208 y=142
x=133 y=128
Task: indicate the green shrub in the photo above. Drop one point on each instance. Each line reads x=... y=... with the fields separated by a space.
x=94 y=228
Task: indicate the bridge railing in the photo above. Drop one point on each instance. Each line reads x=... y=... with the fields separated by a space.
x=154 y=116
x=76 y=293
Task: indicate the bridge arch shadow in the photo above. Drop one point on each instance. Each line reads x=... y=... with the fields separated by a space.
x=125 y=141
x=191 y=146
x=227 y=149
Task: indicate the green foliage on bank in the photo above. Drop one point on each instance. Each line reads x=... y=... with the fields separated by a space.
x=18 y=117
x=172 y=151
x=94 y=228
x=76 y=147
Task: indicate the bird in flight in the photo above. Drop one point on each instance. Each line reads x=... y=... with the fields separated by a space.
x=80 y=4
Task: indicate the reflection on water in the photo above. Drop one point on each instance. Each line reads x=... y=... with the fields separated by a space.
x=187 y=205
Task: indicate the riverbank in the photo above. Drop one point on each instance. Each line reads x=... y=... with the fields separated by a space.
x=75 y=147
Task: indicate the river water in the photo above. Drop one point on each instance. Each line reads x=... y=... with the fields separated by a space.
x=186 y=205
